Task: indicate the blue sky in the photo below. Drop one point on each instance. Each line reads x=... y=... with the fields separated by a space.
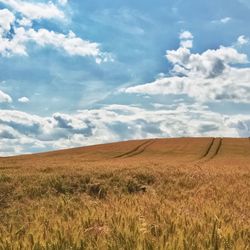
x=76 y=73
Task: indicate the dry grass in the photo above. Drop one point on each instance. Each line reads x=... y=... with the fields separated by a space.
x=156 y=194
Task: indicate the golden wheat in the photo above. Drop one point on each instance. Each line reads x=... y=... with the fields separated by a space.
x=169 y=194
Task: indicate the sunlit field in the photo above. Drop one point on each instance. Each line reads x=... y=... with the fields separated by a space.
x=150 y=194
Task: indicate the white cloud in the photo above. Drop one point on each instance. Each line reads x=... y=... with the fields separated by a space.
x=241 y=123
x=70 y=43
x=23 y=33
x=186 y=39
x=186 y=44
x=186 y=35
x=225 y=19
x=25 y=22
x=23 y=132
x=222 y=21
x=6 y=20
x=207 y=77
x=23 y=99
x=5 y=98
x=35 y=10
x=242 y=40
x=15 y=46
x=208 y=64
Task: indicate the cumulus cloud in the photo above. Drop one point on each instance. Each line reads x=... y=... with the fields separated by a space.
x=207 y=77
x=186 y=35
x=241 y=123
x=23 y=132
x=35 y=10
x=209 y=64
x=6 y=20
x=16 y=42
x=24 y=22
x=242 y=40
x=14 y=46
x=186 y=39
x=5 y=98
x=23 y=99
x=70 y=43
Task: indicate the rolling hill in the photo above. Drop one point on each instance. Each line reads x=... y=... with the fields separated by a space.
x=186 y=193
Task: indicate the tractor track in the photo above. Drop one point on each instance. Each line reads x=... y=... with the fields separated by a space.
x=142 y=149
x=137 y=150
x=212 y=150
x=218 y=149
x=208 y=149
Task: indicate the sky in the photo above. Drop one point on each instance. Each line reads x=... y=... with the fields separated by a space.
x=76 y=73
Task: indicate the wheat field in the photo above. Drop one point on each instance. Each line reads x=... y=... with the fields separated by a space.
x=186 y=193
